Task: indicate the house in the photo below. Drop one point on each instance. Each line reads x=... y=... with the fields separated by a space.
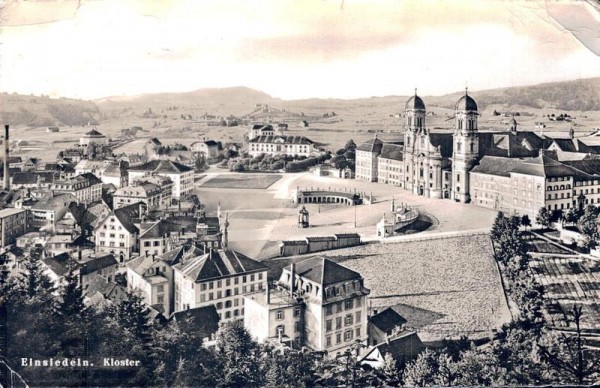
x=118 y=232
x=182 y=176
x=64 y=170
x=87 y=188
x=56 y=266
x=158 y=237
x=116 y=174
x=403 y=347
x=146 y=192
x=260 y=130
x=383 y=325
x=52 y=129
x=152 y=278
x=220 y=278
x=33 y=179
x=209 y=148
x=101 y=293
x=278 y=145
x=71 y=155
x=13 y=224
x=165 y=184
x=50 y=209
x=201 y=322
x=333 y=315
x=103 y=265
x=92 y=136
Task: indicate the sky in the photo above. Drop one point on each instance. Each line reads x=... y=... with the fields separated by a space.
x=292 y=49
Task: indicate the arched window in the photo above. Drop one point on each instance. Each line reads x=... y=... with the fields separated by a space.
x=562 y=187
x=549 y=188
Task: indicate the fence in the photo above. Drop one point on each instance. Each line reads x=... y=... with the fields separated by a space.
x=432 y=236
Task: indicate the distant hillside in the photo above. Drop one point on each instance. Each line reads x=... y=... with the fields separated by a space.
x=236 y=100
x=37 y=111
x=578 y=95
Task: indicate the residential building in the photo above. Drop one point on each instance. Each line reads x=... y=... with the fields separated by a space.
x=201 y=322
x=87 y=188
x=165 y=184
x=181 y=176
x=390 y=164
x=146 y=192
x=209 y=148
x=219 y=277
x=333 y=313
x=158 y=237
x=383 y=325
x=279 y=145
x=33 y=179
x=13 y=223
x=118 y=232
x=403 y=347
x=50 y=209
x=258 y=130
x=366 y=160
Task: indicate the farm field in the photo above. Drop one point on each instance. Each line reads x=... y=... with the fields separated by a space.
x=568 y=281
x=453 y=283
x=242 y=181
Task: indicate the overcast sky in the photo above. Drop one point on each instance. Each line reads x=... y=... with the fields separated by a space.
x=293 y=49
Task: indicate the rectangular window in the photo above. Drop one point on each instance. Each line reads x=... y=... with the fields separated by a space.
x=338 y=307
x=348 y=304
x=328 y=341
x=279 y=315
x=329 y=309
x=203 y=287
x=348 y=335
x=227 y=282
x=328 y=325
x=297 y=312
x=210 y=296
x=218 y=284
x=338 y=338
x=358 y=316
x=348 y=320
x=338 y=323
x=358 y=332
x=244 y=279
x=219 y=294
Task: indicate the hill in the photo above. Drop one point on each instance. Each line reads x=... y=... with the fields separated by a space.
x=42 y=111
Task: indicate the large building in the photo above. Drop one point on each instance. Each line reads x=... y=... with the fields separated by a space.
x=87 y=188
x=218 y=277
x=279 y=145
x=319 y=304
x=507 y=167
x=118 y=233
x=181 y=176
x=92 y=136
x=13 y=223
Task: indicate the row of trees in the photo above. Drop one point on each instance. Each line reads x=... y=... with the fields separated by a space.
x=585 y=220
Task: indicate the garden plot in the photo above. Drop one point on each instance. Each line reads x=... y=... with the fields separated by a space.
x=568 y=281
x=242 y=181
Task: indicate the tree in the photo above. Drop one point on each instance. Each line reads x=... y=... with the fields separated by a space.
x=350 y=145
x=543 y=217
x=571 y=216
x=422 y=371
x=238 y=355
x=525 y=221
x=588 y=226
x=70 y=304
x=133 y=316
x=34 y=281
x=498 y=226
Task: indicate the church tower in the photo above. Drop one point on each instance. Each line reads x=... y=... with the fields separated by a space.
x=465 y=146
x=414 y=112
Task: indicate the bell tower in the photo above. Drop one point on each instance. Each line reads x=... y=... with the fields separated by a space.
x=465 y=146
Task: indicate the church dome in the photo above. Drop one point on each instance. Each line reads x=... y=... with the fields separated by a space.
x=466 y=103
x=415 y=103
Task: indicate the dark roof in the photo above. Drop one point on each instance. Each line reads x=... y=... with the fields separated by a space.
x=97 y=264
x=466 y=103
x=126 y=216
x=347 y=235
x=588 y=166
x=374 y=146
x=512 y=144
x=218 y=264
x=294 y=242
x=442 y=140
x=95 y=133
x=387 y=320
x=170 y=225
x=496 y=165
x=543 y=166
x=211 y=143
x=414 y=103
x=109 y=290
x=31 y=178
x=174 y=256
x=59 y=167
x=162 y=166
x=54 y=202
x=61 y=263
x=403 y=348
x=263 y=127
x=203 y=321
x=392 y=151
x=320 y=238
x=283 y=139
x=324 y=271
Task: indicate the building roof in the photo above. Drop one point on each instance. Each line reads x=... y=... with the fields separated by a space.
x=387 y=320
x=414 y=103
x=281 y=139
x=374 y=146
x=61 y=263
x=162 y=166
x=108 y=290
x=347 y=235
x=98 y=263
x=442 y=140
x=496 y=165
x=166 y=226
x=320 y=238
x=94 y=133
x=174 y=256
x=403 y=348
x=466 y=103
x=31 y=177
x=542 y=166
x=392 y=151
x=203 y=321
x=324 y=271
x=10 y=212
x=127 y=214
x=588 y=166
x=218 y=264
x=54 y=202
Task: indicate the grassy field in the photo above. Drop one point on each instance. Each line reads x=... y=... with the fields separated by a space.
x=452 y=283
x=242 y=181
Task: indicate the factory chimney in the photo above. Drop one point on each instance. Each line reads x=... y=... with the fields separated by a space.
x=6 y=173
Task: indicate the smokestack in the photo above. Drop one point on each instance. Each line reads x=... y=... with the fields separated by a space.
x=6 y=154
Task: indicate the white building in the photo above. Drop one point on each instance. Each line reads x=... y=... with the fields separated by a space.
x=182 y=176
x=92 y=136
x=278 y=145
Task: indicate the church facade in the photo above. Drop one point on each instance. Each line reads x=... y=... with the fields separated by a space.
x=461 y=164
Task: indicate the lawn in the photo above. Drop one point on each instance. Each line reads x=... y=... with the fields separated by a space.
x=454 y=281
x=242 y=181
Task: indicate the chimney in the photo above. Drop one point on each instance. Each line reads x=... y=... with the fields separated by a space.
x=292 y=277
x=6 y=154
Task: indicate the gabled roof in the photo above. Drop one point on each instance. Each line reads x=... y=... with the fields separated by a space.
x=61 y=263
x=387 y=320
x=97 y=264
x=54 y=203
x=126 y=216
x=174 y=256
x=31 y=177
x=374 y=146
x=94 y=133
x=203 y=321
x=218 y=264
x=162 y=166
x=324 y=271
x=169 y=225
